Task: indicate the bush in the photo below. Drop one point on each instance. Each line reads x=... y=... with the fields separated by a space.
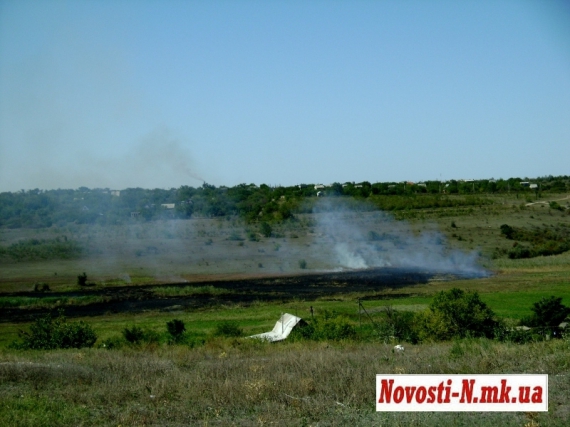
x=228 y=329
x=520 y=252
x=176 y=329
x=47 y=333
x=398 y=325
x=82 y=279
x=547 y=312
x=134 y=335
x=112 y=343
x=455 y=314
x=514 y=335
x=302 y=264
x=329 y=327
x=41 y=287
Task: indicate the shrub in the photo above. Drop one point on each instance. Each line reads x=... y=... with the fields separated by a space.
x=507 y=231
x=134 y=335
x=548 y=312
x=329 y=327
x=302 y=264
x=228 y=329
x=399 y=325
x=47 y=333
x=176 y=329
x=514 y=335
x=520 y=252
x=82 y=279
x=455 y=314
x=113 y=343
x=41 y=287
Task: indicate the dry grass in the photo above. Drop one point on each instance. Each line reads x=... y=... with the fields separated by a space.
x=245 y=383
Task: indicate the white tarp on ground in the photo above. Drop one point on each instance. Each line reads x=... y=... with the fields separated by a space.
x=281 y=330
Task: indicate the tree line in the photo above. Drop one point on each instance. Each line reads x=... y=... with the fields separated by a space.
x=44 y=208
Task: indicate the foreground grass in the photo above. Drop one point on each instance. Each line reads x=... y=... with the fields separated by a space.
x=244 y=382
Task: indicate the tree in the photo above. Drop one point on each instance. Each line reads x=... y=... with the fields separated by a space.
x=549 y=311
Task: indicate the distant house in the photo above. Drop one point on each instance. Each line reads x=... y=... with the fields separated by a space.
x=168 y=205
x=319 y=187
x=421 y=184
x=116 y=193
x=525 y=183
x=533 y=186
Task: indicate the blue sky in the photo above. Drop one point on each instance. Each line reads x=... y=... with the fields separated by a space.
x=166 y=93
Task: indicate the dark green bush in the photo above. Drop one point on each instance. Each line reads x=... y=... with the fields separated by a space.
x=507 y=231
x=548 y=313
x=176 y=329
x=47 y=333
x=82 y=279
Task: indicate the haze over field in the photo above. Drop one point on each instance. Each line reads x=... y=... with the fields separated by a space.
x=164 y=94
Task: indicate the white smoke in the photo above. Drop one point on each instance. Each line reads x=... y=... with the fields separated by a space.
x=359 y=240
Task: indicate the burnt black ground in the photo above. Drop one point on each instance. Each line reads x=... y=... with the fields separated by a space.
x=277 y=288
